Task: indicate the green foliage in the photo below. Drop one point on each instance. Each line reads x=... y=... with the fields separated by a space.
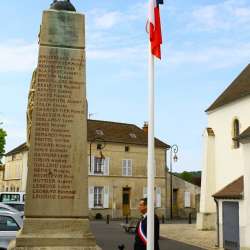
x=189 y=176
x=3 y=134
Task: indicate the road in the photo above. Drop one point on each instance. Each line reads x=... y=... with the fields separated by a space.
x=109 y=236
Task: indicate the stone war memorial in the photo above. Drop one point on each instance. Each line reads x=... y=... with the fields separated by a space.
x=56 y=207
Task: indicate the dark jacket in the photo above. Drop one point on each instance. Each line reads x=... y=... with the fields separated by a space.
x=141 y=234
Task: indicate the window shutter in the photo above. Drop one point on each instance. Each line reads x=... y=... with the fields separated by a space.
x=129 y=167
x=124 y=167
x=91 y=171
x=106 y=166
x=106 y=197
x=187 y=199
x=158 y=197
x=145 y=194
x=89 y=165
x=91 y=197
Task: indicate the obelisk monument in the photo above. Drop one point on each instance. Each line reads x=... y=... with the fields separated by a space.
x=56 y=206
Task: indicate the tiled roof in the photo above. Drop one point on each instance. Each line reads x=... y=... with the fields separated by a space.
x=234 y=190
x=120 y=133
x=109 y=132
x=19 y=149
x=245 y=134
x=239 y=88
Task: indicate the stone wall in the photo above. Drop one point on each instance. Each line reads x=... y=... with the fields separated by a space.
x=179 y=188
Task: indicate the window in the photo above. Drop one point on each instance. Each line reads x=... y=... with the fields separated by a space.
x=13 y=157
x=99 y=132
x=157 y=194
x=127 y=167
x=187 y=199
x=132 y=135
x=8 y=224
x=236 y=133
x=126 y=148
x=9 y=197
x=98 y=196
x=98 y=165
x=4 y=209
x=17 y=206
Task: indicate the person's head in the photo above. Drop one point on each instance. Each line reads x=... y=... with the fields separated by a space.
x=143 y=205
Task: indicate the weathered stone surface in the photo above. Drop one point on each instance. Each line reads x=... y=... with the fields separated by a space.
x=57 y=159
x=62 y=28
x=56 y=209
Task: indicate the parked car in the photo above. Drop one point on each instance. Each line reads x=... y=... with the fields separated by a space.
x=10 y=223
x=13 y=199
x=5 y=207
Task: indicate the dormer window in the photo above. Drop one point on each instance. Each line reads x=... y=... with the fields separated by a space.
x=236 y=133
x=99 y=132
x=132 y=135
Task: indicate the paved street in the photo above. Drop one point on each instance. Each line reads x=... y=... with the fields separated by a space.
x=190 y=235
x=109 y=236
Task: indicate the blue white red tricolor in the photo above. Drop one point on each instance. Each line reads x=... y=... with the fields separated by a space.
x=154 y=23
x=142 y=234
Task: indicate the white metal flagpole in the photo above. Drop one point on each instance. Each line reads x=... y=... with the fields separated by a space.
x=151 y=154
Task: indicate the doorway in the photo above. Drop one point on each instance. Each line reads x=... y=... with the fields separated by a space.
x=175 y=203
x=231 y=234
x=126 y=201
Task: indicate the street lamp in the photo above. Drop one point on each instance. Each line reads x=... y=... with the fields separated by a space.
x=173 y=149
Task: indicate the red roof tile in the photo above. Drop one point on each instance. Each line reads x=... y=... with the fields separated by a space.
x=234 y=190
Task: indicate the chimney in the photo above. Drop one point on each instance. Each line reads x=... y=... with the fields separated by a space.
x=145 y=127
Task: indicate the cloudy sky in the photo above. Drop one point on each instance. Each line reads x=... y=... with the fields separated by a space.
x=206 y=45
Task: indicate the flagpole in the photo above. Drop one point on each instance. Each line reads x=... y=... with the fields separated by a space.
x=151 y=153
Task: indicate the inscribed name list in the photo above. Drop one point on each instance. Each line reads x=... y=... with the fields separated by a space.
x=57 y=120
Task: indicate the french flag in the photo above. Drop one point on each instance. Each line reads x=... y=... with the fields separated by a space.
x=154 y=21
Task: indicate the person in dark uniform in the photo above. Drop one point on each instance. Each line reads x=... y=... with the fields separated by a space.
x=141 y=229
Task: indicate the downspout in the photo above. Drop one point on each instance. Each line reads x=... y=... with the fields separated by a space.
x=217 y=222
x=166 y=182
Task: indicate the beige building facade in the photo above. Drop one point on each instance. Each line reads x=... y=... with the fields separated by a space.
x=15 y=173
x=2 y=167
x=117 y=163
x=124 y=180
x=186 y=197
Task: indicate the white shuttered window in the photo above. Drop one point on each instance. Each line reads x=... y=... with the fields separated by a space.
x=157 y=195
x=91 y=197
x=127 y=167
x=99 y=197
x=98 y=166
x=187 y=199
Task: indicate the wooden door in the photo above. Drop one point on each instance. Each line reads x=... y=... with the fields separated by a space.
x=126 y=201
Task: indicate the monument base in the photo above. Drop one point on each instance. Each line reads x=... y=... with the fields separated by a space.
x=206 y=221
x=54 y=234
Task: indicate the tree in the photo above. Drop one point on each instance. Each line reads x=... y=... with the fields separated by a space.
x=187 y=176
x=3 y=134
x=192 y=177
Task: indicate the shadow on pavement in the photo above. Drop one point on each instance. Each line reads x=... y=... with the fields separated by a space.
x=110 y=236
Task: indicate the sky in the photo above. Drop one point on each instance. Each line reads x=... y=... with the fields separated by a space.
x=206 y=44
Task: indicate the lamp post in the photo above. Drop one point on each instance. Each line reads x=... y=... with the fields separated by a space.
x=173 y=149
